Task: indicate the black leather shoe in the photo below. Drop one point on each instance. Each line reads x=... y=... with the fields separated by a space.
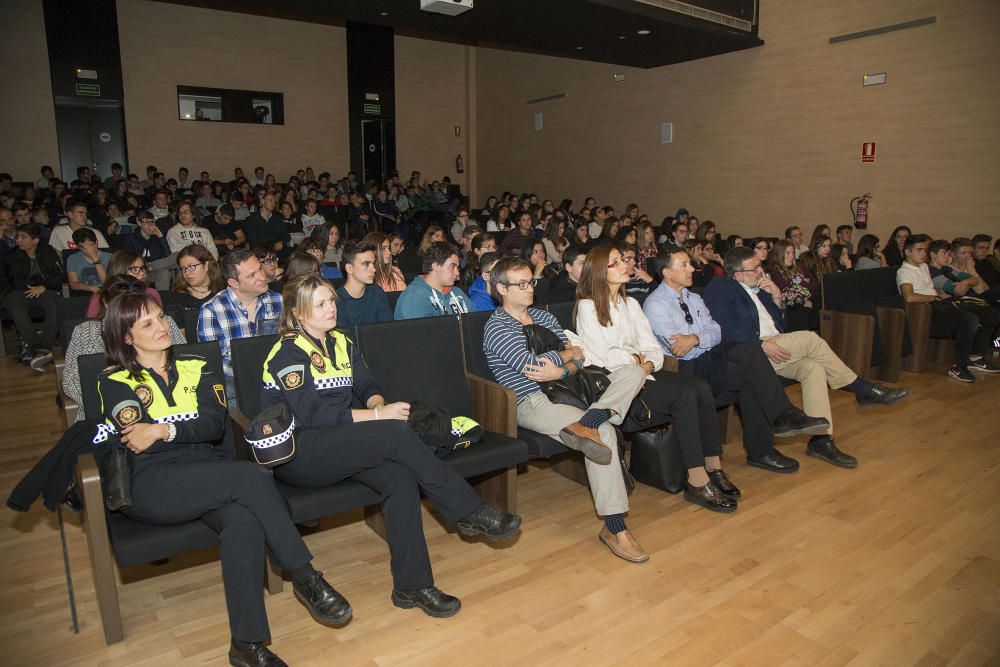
x=491 y=522
x=774 y=461
x=796 y=422
x=723 y=483
x=433 y=601
x=242 y=654
x=709 y=497
x=879 y=394
x=827 y=450
x=325 y=605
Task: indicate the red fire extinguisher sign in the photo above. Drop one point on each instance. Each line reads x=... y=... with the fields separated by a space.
x=868 y=152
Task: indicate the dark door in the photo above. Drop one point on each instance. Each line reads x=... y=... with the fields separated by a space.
x=373 y=153
x=89 y=135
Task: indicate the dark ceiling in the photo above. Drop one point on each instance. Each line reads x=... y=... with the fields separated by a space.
x=597 y=30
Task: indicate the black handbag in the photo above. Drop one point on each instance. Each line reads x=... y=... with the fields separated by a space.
x=581 y=389
x=656 y=460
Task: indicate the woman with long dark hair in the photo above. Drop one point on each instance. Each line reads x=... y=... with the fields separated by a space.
x=615 y=333
x=869 y=253
x=894 y=247
x=180 y=474
x=388 y=276
x=533 y=252
x=319 y=374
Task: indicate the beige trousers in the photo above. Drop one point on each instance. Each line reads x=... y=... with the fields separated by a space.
x=538 y=413
x=815 y=366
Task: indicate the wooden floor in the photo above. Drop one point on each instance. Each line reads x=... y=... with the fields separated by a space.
x=895 y=563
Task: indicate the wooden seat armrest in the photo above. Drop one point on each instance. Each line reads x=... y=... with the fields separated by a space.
x=493 y=406
x=670 y=364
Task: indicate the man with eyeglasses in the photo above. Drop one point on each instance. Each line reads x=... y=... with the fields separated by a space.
x=590 y=431
x=245 y=308
x=748 y=307
x=685 y=329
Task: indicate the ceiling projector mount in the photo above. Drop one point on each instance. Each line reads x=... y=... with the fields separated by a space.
x=446 y=7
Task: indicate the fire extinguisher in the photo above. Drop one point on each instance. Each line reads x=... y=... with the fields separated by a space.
x=460 y=164
x=859 y=210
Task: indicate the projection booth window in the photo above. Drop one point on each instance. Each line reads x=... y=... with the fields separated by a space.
x=230 y=106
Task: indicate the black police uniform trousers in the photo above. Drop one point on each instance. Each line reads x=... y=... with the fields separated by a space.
x=237 y=499
x=388 y=457
x=743 y=370
x=688 y=401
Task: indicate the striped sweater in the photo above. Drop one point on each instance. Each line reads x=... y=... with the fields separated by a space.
x=507 y=350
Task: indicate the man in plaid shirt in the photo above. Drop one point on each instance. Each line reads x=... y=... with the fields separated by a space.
x=245 y=308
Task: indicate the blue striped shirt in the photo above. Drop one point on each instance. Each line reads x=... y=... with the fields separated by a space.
x=507 y=350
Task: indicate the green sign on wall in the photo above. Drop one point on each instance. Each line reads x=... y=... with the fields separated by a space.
x=372 y=109
x=88 y=89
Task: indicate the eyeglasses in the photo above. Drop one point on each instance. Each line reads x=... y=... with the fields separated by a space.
x=135 y=270
x=753 y=270
x=188 y=268
x=269 y=260
x=523 y=285
x=687 y=313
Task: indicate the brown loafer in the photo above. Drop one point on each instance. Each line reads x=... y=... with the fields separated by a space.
x=587 y=441
x=623 y=545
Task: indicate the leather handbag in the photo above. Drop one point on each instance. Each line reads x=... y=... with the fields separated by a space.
x=581 y=389
x=656 y=460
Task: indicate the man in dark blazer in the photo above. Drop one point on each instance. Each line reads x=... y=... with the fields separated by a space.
x=747 y=305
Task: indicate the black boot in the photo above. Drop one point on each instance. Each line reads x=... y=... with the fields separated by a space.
x=796 y=422
x=433 y=601
x=491 y=522
x=325 y=605
x=243 y=654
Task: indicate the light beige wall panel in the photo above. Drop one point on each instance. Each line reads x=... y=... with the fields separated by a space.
x=430 y=102
x=165 y=45
x=27 y=116
x=771 y=136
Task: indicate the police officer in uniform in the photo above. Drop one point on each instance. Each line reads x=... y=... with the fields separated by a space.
x=170 y=411
x=318 y=372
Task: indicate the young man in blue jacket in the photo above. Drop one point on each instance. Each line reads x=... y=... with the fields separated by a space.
x=435 y=293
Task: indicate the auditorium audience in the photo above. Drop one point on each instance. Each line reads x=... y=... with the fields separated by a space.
x=434 y=293
x=188 y=231
x=359 y=299
x=196 y=280
x=387 y=275
x=480 y=291
x=799 y=287
x=894 y=254
x=123 y=262
x=32 y=277
x=870 y=254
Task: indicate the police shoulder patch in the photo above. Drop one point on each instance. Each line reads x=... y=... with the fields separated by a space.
x=127 y=413
x=291 y=377
x=145 y=394
x=220 y=394
x=317 y=361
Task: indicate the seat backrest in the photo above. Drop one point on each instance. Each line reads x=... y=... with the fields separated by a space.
x=473 y=326
x=880 y=284
x=190 y=324
x=418 y=360
x=564 y=313
x=842 y=288
x=249 y=355
x=392 y=298
x=73 y=308
x=92 y=364
x=410 y=261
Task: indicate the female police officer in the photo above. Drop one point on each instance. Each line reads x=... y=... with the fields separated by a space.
x=169 y=410
x=318 y=372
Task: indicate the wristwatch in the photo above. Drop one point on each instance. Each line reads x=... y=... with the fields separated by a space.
x=171 y=432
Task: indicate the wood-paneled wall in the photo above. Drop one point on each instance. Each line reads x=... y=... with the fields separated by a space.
x=27 y=115
x=772 y=136
x=165 y=45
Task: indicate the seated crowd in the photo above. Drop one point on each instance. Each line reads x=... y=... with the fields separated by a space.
x=313 y=258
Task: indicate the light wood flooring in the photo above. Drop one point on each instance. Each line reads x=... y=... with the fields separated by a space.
x=895 y=563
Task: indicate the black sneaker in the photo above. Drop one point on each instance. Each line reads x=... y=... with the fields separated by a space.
x=961 y=374
x=24 y=353
x=982 y=366
x=40 y=359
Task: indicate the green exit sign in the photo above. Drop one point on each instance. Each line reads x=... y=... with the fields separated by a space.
x=88 y=89
x=373 y=109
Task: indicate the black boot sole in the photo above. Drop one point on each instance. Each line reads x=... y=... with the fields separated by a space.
x=818 y=429
x=409 y=604
x=783 y=471
x=320 y=619
x=701 y=502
